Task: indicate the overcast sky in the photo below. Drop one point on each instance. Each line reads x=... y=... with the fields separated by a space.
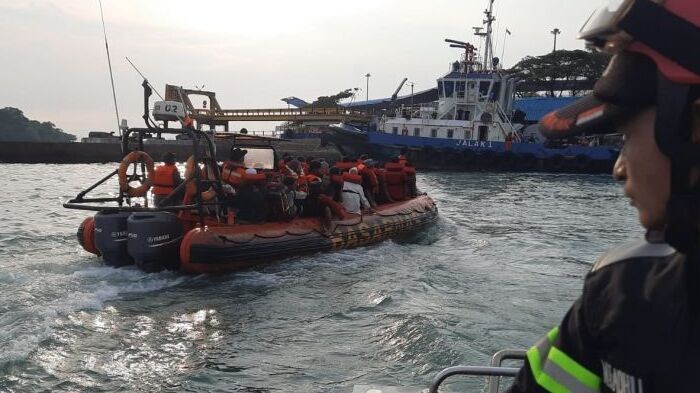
x=252 y=53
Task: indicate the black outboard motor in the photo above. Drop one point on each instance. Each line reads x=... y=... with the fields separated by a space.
x=154 y=240
x=111 y=237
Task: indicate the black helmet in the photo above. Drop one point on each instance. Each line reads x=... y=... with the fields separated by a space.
x=169 y=158
x=237 y=154
x=655 y=63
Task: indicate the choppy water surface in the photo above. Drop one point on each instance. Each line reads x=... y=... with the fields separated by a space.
x=501 y=267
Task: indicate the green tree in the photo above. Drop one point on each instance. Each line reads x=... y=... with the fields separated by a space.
x=565 y=67
x=334 y=100
x=14 y=126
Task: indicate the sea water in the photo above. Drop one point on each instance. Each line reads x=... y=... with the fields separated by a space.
x=499 y=269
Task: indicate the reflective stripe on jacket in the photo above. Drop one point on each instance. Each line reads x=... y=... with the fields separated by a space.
x=633 y=330
x=555 y=371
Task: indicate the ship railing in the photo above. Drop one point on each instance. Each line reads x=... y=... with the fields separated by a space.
x=506 y=120
x=279 y=111
x=495 y=371
x=271 y=134
x=382 y=123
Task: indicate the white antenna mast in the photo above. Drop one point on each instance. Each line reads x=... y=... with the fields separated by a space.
x=488 y=51
x=111 y=76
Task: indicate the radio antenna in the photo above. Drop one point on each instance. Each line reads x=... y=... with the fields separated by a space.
x=152 y=87
x=111 y=75
x=144 y=78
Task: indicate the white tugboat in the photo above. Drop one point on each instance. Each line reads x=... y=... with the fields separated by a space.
x=471 y=127
x=474 y=100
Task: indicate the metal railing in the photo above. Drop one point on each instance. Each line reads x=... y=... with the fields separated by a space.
x=271 y=134
x=306 y=111
x=505 y=119
x=494 y=372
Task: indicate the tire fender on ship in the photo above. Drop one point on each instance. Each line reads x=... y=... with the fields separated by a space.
x=527 y=161
x=487 y=158
x=582 y=162
x=508 y=161
x=556 y=162
x=468 y=157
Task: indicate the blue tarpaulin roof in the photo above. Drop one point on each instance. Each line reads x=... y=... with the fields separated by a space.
x=536 y=107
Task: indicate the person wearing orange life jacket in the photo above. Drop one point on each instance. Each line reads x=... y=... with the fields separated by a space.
x=166 y=178
x=370 y=183
x=509 y=142
x=250 y=200
x=313 y=204
x=294 y=170
x=382 y=192
x=234 y=170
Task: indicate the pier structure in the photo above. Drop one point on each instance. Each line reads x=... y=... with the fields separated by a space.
x=215 y=115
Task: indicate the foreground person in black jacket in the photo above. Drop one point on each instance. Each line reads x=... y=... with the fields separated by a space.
x=636 y=327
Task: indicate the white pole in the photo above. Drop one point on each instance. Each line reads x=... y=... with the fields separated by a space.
x=503 y=50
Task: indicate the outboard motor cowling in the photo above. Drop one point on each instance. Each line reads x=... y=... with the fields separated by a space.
x=111 y=237
x=154 y=240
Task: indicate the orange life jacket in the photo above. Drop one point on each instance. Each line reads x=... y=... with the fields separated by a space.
x=163 y=182
x=311 y=178
x=233 y=173
x=302 y=183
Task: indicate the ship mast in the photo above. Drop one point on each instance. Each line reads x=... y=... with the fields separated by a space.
x=488 y=47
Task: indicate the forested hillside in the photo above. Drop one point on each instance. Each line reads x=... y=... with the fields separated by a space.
x=14 y=126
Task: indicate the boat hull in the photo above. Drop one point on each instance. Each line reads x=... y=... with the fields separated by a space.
x=231 y=248
x=474 y=156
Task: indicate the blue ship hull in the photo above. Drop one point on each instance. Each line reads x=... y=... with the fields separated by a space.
x=471 y=155
x=538 y=150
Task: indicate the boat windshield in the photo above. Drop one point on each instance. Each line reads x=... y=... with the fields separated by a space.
x=259 y=158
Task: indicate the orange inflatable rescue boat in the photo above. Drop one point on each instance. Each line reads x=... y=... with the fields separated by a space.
x=227 y=248
x=204 y=234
